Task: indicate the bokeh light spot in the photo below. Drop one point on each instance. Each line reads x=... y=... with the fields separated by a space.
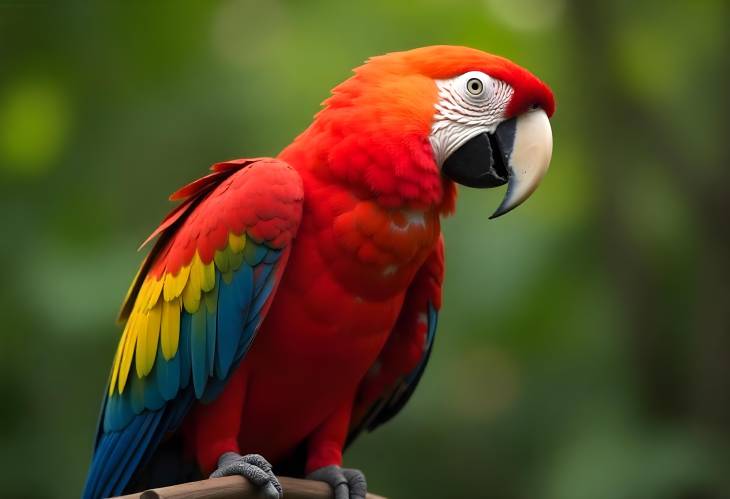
x=527 y=15
x=34 y=126
x=239 y=42
x=497 y=376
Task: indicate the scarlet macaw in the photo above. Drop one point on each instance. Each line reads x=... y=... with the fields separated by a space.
x=290 y=303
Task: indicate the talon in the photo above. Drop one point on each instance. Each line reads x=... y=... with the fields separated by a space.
x=347 y=483
x=252 y=467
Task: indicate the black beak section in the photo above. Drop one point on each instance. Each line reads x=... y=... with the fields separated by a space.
x=482 y=161
x=517 y=153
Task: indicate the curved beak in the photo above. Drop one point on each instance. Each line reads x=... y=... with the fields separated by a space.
x=517 y=153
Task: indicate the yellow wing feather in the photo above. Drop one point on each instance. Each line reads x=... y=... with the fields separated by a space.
x=151 y=338
x=155 y=290
x=174 y=284
x=208 y=276
x=141 y=354
x=191 y=293
x=128 y=352
x=170 y=327
x=236 y=242
x=155 y=317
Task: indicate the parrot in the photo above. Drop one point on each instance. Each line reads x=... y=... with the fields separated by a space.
x=290 y=303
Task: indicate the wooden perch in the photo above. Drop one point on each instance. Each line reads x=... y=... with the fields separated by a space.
x=236 y=487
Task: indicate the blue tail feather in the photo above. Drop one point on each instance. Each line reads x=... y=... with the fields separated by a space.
x=117 y=456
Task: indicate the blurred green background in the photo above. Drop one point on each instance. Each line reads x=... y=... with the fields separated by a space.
x=584 y=346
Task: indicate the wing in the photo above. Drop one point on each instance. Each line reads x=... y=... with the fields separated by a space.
x=194 y=308
x=399 y=367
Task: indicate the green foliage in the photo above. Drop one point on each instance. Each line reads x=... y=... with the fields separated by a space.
x=583 y=347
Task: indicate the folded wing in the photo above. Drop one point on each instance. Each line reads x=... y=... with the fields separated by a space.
x=194 y=308
x=393 y=378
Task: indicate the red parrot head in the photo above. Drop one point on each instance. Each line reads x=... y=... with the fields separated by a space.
x=408 y=121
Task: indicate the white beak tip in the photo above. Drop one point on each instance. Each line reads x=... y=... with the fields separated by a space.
x=529 y=159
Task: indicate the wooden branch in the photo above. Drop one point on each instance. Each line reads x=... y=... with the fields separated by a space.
x=236 y=487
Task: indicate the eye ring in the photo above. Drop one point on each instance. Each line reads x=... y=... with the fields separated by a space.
x=475 y=86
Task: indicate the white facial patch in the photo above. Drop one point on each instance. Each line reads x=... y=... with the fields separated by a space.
x=468 y=105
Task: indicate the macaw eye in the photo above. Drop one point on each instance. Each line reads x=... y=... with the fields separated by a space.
x=475 y=86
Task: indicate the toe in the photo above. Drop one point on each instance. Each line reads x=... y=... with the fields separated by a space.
x=258 y=460
x=274 y=483
x=253 y=473
x=342 y=491
x=346 y=483
x=332 y=475
x=356 y=481
x=254 y=468
x=265 y=480
x=270 y=491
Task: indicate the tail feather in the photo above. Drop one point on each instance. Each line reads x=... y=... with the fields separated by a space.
x=118 y=455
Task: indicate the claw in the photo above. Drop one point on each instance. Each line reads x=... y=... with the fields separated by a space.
x=254 y=468
x=347 y=483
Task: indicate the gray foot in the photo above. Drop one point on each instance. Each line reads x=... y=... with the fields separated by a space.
x=254 y=468
x=346 y=482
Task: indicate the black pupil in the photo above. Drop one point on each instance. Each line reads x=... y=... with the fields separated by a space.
x=474 y=85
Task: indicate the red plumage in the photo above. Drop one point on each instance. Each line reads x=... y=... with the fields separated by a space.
x=355 y=202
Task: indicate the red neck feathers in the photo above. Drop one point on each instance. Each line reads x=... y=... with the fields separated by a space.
x=373 y=137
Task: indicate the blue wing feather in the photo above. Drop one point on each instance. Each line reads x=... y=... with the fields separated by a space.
x=263 y=294
x=184 y=350
x=118 y=411
x=233 y=301
x=153 y=398
x=211 y=342
x=272 y=256
x=211 y=317
x=167 y=373
x=198 y=351
x=263 y=271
